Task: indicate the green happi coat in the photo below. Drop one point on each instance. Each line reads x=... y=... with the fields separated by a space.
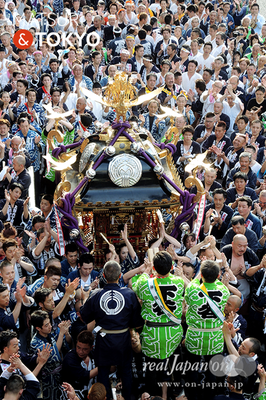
x=200 y=316
x=160 y=342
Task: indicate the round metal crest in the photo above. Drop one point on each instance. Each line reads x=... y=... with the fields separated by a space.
x=125 y=170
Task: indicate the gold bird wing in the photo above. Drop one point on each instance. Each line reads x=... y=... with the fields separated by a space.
x=48 y=107
x=198 y=161
x=145 y=97
x=92 y=96
x=55 y=115
x=170 y=113
x=60 y=166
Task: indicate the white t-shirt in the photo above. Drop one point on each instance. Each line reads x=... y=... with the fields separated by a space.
x=207 y=63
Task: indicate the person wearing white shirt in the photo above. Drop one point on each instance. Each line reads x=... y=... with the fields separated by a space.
x=232 y=107
x=130 y=15
x=205 y=60
x=209 y=97
x=28 y=22
x=256 y=19
x=189 y=77
x=220 y=45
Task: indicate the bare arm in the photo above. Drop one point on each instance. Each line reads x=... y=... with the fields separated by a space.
x=228 y=341
x=40 y=246
x=70 y=288
x=131 y=251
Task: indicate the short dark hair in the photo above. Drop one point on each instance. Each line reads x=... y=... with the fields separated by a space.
x=14 y=384
x=208 y=70
x=240 y=175
x=46 y=74
x=86 y=337
x=9 y=243
x=5 y=338
x=37 y=219
x=49 y=198
x=15 y=185
x=246 y=199
x=162 y=262
x=200 y=84
x=209 y=270
x=237 y=219
x=193 y=62
x=188 y=128
x=86 y=258
x=52 y=270
x=221 y=124
x=71 y=248
x=4 y=264
x=255 y=345
x=219 y=191
x=41 y=294
x=30 y=90
x=244 y=117
x=24 y=82
x=191 y=8
x=208 y=44
x=38 y=317
x=52 y=91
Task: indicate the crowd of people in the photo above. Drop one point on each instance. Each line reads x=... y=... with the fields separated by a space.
x=127 y=329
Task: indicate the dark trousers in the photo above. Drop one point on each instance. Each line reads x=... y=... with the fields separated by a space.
x=200 y=379
x=123 y=371
x=159 y=371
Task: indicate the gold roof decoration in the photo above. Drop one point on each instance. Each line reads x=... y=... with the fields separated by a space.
x=120 y=94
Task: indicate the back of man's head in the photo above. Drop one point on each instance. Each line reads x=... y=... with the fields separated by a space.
x=112 y=271
x=15 y=385
x=97 y=392
x=209 y=270
x=162 y=262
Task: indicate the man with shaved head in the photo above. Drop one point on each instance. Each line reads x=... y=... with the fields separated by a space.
x=240 y=258
x=230 y=310
x=18 y=174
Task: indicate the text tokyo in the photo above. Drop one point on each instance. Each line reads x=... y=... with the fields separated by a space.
x=64 y=38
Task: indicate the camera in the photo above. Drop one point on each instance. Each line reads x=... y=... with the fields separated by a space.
x=237 y=33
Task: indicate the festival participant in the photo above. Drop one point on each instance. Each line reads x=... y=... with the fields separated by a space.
x=205 y=318
x=244 y=161
x=217 y=215
x=238 y=228
x=161 y=298
x=78 y=368
x=19 y=175
x=13 y=209
x=33 y=108
x=151 y=122
x=240 y=189
x=50 y=374
x=113 y=344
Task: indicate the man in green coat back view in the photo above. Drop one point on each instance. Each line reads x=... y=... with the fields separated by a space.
x=204 y=317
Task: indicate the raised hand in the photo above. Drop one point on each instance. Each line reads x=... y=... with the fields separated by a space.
x=26 y=202
x=64 y=326
x=44 y=354
x=72 y=286
x=124 y=233
x=7 y=196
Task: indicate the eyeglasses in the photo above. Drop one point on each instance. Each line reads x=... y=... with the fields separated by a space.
x=262 y=203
